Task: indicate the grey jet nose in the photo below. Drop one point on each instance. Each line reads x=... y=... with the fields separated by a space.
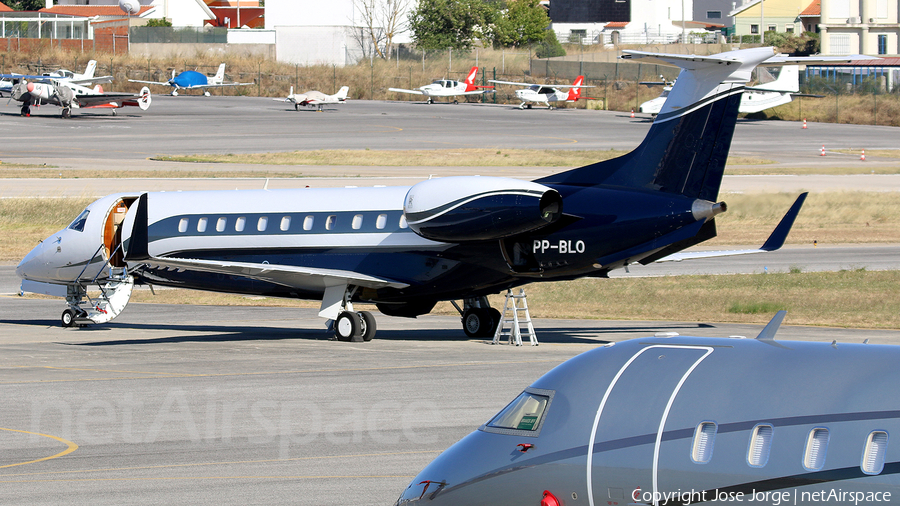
x=33 y=265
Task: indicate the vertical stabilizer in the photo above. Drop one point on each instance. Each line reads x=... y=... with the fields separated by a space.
x=470 y=79
x=89 y=71
x=220 y=75
x=342 y=93
x=575 y=92
x=686 y=148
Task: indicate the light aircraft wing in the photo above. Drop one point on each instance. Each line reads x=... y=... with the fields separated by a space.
x=401 y=90
x=103 y=98
x=478 y=92
x=92 y=81
x=510 y=82
x=149 y=82
x=774 y=242
x=222 y=85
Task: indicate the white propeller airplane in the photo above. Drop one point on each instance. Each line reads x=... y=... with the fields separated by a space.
x=546 y=93
x=315 y=98
x=191 y=80
x=755 y=99
x=449 y=88
x=69 y=95
x=83 y=79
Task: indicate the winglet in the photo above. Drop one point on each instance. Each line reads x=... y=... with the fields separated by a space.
x=138 y=246
x=768 y=333
x=776 y=240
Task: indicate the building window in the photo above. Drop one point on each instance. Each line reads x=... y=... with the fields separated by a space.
x=714 y=14
x=754 y=29
x=882 y=44
x=789 y=28
x=772 y=28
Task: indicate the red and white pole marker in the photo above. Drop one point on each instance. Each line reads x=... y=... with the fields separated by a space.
x=862 y=157
x=632 y=113
x=823 y=150
x=804 y=123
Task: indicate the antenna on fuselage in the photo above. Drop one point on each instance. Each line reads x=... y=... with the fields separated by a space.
x=769 y=331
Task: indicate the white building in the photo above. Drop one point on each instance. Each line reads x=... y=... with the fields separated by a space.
x=179 y=12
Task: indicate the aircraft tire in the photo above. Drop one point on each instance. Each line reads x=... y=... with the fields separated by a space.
x=66 y=113
x=495 y=320
x=26 y=110
x=346 y=326
x=456 y=102
x=477 y=322
x=68 y=318
x=528 y=106
x=368 y=326
x=429 y=101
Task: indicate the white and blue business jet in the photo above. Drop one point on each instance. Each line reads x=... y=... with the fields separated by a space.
x=406 y=248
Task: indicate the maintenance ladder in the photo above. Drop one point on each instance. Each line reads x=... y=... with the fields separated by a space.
x=514 y=323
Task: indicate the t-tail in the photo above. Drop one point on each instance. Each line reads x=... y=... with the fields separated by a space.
x=575 y=92
x=686 y=148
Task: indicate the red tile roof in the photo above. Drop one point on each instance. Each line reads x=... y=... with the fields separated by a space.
x=814 y=9
x=616 y=24
x=5 y=8
x=91 y=10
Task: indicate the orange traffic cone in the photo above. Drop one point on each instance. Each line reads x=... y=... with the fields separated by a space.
x=804 y=123
x=823 y=150
x=632 y=113
x=863 y=156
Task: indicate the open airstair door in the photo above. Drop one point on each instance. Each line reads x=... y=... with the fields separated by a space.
x=112 y=232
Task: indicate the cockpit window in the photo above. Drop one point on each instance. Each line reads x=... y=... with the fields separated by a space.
x=523 y=416
x=78 y=224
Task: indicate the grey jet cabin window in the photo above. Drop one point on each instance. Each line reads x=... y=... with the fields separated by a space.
x=760 y=444
x=704 y=441
x=873 y=453
x=816 y=448
x=201 y=224
x=240 y=223
x=78 y=224
x=523 y=416
x=262 y=223
x=329 y=222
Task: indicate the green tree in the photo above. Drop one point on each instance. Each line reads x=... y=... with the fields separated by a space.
x=443 y=24
x=523 y=22
x=158 y=22
x=26 y=5
x=550 y=46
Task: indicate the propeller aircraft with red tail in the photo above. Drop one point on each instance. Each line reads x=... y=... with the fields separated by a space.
x=546 y=93
x=449 y=88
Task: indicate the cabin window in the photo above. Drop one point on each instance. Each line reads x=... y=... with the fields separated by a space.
x=760 y=443
x=201 y=224
x=873 y=454
x=239 y=224
x=381 y=221
x=220 y=224
x=308 y=222
x=704 y=440
x=403 y=223
x=285 y=223
x=816 y=447
x=329 y=222
x=357 y=221
x=78 y=224
x=262 y=223
x=183 y=225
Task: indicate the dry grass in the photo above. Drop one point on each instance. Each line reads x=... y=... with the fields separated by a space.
x=851 y=109
x=858 y=299
x=25 y=222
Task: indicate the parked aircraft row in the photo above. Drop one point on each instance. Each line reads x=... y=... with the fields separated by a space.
x=406 y=248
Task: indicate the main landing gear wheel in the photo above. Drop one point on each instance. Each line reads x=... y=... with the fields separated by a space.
x=346 y=326
x=367 y=329
x=66 y=113
x=480 y=322
x=429 y=101
x=26 y=110
x=456 y=102
x=68 y=318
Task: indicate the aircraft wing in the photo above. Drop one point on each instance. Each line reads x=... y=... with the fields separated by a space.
x=149 y=82
x=222 y=85
x=479 y=92
x=401 y=90
x=103 y=98
x=510 y=82
x=285 y=275
x=774 y=242
x=92 y=81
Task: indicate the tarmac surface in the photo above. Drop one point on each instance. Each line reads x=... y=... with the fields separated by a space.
x=252 y=405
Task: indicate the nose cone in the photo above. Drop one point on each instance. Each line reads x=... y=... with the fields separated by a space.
x=30 y=87
x=34 y=265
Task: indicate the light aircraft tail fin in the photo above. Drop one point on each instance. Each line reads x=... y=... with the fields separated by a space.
x=220 y=74
x=686 y=148
x=788 y=80
x=89 y=71
x=342 y=93
x=470 y=79
x=98 y=89
x=575 y=92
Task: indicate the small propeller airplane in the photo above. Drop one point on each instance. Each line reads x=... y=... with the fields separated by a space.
x=449 y=88
x=83 y=79
x=40 y=90
x=315 y=98
x=193 y=80
x=546 y=93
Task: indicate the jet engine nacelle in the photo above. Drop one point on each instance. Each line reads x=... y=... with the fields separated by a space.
x=475 y=208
